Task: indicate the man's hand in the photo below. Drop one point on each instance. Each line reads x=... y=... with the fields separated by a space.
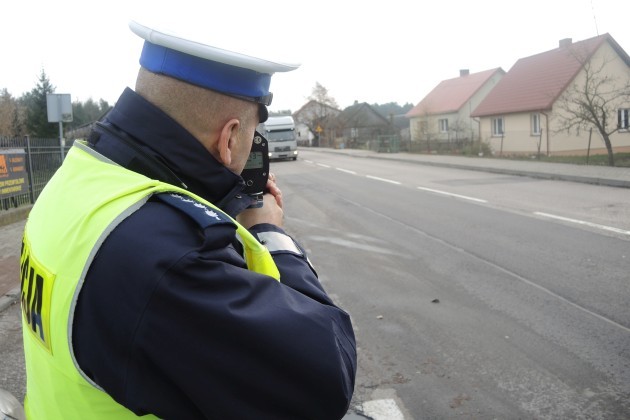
x=271 y=210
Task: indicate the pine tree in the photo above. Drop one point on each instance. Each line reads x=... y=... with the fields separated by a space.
x=17 y=123
x=37 y=123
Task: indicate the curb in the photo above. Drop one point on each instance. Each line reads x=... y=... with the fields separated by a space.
x=619 y=183
x=14 y=215
x=539 y=175
x=9 y=299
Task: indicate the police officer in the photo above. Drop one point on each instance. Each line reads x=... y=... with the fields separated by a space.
x=143 y=296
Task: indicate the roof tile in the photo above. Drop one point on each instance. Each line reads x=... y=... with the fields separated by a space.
x=534 y=83
x=450 y=95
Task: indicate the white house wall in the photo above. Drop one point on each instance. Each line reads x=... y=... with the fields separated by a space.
x=470 y=126
x=563 y=143
x=303 y=134
x=518 y=138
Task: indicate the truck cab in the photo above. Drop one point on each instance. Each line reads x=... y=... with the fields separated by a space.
x=280 y=133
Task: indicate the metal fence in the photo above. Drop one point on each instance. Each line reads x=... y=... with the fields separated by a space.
x=42 y=157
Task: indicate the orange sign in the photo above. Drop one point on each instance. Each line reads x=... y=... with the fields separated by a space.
x=4 y=171
x=13 y=177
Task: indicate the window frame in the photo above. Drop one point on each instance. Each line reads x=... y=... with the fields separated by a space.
x=443 y=125
x=495 y=132
x=623 y=119
x=534 y=124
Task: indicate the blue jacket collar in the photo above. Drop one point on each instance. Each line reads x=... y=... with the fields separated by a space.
x=161 y=136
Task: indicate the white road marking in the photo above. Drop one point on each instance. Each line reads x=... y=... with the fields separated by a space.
x=582 y=222
x=490 y=263
x=382 y=410
x=308 y=161
x=323 y=166
x=478 y=200
x=346 y=171
x=383 y=179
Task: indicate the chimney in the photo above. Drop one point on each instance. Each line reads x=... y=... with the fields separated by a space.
x=464 y=72
x=566 y=42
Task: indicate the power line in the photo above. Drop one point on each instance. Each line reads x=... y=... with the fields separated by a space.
x=594 y=18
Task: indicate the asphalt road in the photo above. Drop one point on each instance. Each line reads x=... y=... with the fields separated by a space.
x=12 y=375
x=473 y=295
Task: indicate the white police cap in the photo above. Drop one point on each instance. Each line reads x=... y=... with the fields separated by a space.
x=232 y=73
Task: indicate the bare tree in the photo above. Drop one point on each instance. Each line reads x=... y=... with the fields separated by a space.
x=425 y=130
x=459 y=128
x=12 y=115
x=322 y=107
x=321 y=95
x=7 y=106
x=593 y=101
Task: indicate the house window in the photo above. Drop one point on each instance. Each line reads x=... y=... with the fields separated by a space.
x=497 y=126
x=443 y=123
x=623 y=122
x=535 y=124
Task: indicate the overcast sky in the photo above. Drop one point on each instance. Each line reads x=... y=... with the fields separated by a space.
x=369 y=51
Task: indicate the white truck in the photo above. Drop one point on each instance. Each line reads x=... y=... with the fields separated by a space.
x=280 y=133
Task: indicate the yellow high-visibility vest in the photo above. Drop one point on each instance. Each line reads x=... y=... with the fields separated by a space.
x=82 y=203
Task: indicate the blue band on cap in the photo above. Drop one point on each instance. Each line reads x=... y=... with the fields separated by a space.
x=205 y=73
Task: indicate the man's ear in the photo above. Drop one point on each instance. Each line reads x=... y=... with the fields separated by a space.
x=227 y=140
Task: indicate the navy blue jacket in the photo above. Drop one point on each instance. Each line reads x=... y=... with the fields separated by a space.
x=170 y=321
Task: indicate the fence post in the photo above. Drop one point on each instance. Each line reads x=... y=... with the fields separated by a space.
x=30 y=169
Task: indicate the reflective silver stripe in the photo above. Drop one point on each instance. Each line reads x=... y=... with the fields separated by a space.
x=276 y=241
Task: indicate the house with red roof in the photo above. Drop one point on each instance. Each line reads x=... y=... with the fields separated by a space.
x=444 y=114
x=526 y=112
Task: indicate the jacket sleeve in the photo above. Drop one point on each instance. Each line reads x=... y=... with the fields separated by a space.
x=200 y=336
x=295 y=268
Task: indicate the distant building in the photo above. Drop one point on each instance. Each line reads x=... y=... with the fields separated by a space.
x=444 y=114
x=314 y=123
x=359 y=125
